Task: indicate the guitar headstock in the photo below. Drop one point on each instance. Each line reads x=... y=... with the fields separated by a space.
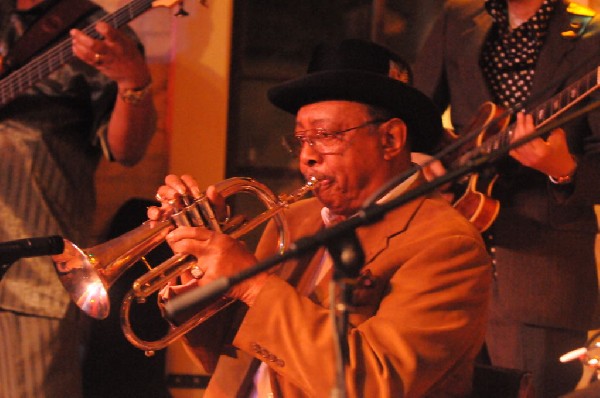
x=165 y=3
x=171 y=3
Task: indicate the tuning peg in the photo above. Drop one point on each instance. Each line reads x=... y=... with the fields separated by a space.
x=181 y=12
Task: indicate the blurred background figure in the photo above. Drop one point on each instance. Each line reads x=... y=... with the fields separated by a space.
x=52 y=136
x=521 y=53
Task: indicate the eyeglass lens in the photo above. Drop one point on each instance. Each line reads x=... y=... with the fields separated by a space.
x=321 y=140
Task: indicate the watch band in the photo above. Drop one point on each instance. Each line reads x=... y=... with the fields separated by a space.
x=135 y=95
x=566 y=179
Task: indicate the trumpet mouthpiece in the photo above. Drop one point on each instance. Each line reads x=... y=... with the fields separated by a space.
x=287 y=199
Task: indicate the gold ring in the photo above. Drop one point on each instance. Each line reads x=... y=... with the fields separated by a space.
x=158 y=197
x=98 y=59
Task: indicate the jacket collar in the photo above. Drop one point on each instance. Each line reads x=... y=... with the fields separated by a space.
x=376 y=236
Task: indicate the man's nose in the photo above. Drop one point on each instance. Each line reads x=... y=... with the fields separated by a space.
x=308 y=155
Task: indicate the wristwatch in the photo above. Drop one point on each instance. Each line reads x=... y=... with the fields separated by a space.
x=562 y=180
x=135 y=95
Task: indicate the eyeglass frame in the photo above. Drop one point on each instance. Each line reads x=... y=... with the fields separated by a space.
x=285 y=139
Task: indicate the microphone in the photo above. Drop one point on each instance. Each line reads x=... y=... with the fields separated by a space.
x=13 y=250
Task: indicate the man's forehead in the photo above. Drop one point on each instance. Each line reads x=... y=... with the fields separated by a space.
x=331 y=109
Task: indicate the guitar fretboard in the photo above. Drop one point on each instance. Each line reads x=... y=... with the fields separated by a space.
x=41 y=66
x=568 y=97
x=542 y=114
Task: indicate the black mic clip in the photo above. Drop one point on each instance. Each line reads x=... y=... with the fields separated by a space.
x=347 y=255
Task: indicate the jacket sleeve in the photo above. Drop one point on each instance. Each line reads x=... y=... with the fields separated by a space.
x=212 y=338
x=583 y=135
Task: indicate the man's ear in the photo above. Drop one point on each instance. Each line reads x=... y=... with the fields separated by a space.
x=394 y=138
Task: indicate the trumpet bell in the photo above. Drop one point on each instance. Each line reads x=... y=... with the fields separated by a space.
x=78 y=275
x=88 y=274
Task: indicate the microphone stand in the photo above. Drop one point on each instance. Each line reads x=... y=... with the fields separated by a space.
x=348 y=258
x=342 y=241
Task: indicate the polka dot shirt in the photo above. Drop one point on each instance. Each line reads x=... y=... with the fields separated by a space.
x=509 y=56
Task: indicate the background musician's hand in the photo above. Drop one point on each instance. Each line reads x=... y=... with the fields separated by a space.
x=550 y=156
x=433 y=170
x=117 y=55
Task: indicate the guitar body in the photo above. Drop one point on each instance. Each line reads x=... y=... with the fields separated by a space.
x=476 y=203
x=479 y=208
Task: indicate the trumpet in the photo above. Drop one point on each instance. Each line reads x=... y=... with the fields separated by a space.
x=88 y=274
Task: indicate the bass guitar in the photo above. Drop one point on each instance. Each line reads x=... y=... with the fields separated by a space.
x=42 y=65
x=477 y=203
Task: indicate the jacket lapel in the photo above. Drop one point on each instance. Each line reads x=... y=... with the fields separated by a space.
x=374 y=238
x=552 y=60
x=471 y=41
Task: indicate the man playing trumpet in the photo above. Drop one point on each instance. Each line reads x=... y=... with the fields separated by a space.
x=418 y=310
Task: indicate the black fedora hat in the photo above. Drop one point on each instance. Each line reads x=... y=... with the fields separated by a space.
x=362 y=71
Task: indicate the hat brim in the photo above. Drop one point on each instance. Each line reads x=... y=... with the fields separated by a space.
x=421 y=116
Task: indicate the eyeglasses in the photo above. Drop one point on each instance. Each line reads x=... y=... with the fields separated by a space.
x=320 y=140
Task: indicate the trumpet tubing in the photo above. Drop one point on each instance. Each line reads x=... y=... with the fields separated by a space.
x=88 y=274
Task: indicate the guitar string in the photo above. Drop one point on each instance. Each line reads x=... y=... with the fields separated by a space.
x=41 y=66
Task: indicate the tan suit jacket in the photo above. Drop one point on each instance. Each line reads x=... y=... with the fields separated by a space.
x=417 y=322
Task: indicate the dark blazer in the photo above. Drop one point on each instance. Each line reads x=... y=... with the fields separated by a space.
x=415 y=328
x=544 y=236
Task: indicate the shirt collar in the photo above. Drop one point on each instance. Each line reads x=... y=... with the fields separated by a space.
x=498 y=10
